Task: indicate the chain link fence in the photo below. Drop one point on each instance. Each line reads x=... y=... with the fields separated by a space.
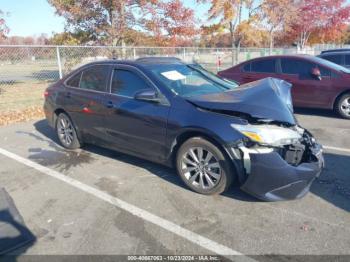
x=25 y=71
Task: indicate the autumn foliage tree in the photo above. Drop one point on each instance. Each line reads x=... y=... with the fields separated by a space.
x=177 y=22
x=328 y=17
x=106 y=21
x=112 y=21
x=276 y=16
x=230 y=13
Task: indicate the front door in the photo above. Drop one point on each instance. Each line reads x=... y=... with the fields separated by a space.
x=307 y=91
x=138 y=127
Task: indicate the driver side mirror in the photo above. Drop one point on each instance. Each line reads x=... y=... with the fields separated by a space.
x=148 y=95
x=316 y=73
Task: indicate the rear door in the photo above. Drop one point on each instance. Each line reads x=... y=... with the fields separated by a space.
x=259 y=69
x=135 y=126
x=84 y=96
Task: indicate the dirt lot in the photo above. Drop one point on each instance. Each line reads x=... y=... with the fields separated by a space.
x=96 y=201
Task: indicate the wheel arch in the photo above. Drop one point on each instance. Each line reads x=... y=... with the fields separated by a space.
x=347 y=91
x=61 y=110
x=194 y=132
x=56 y=114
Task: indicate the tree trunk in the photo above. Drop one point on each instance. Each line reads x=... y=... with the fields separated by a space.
x=271 y=41
x=238 y=41
x=304 y=37
x=232 y=38
x=122 y=27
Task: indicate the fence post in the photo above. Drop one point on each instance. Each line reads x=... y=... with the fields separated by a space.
x=217 y=60
x=134 y=51
x=184 y=54
x=59 y=61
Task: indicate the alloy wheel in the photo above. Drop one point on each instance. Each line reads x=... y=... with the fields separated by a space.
x=345 y=106
x=65 y=131
x=201 y=168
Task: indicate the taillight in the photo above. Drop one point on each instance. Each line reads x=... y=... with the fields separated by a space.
x=46 y=93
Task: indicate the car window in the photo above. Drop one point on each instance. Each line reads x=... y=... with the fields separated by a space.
x=127 y=83
x=296 y=66
x=324 y=71
x=347 y=60
x=188 y=81
x=95 y=78
x=74 y=80
x=246 y=68
x=333 y=58
x=264 y=66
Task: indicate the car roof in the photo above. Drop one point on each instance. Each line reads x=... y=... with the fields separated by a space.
x=339 y=50
x=140 y=61
x=304 y=56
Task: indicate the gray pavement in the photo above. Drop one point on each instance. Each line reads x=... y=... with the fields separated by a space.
x=66 y=220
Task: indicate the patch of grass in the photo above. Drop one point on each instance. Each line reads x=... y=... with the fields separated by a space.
x=19 y=96
x=21 y=101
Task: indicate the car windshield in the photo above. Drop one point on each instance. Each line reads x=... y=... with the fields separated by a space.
x=190 y=80
x=331 y=64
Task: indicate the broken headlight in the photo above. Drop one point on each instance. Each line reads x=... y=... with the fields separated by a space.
x=270 y=135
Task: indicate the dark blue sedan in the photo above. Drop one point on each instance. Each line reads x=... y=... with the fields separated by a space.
x=212 y=130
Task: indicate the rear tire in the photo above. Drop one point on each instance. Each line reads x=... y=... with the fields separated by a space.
x=66 y=132
x=342 y=106
x=203 y=167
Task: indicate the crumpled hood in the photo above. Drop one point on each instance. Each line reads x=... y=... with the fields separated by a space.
x=266 y=99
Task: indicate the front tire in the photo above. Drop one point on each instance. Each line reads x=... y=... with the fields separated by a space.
x=203 y=167
x=66 y=132
x=343 y=106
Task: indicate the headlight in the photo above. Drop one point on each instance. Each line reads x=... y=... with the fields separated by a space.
x=269 y=134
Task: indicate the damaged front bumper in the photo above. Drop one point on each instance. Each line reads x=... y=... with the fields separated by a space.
x=268 y=176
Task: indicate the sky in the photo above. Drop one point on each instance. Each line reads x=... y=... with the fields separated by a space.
x=34 y=17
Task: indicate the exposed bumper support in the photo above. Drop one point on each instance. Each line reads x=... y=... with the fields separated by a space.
x=271 y=178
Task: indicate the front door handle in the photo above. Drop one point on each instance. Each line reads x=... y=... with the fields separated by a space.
x=109 y=104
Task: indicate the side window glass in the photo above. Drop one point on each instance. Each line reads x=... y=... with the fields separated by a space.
x=264 y=66
x=296 y=67
x=74 y=80
x=127 y=83
x=334 y=75
x=95 y=78
x=347 y=60
x=324 y=72
x=333 y=58
x=246 y=68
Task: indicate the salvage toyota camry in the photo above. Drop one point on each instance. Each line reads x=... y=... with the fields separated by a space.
x=213 y=131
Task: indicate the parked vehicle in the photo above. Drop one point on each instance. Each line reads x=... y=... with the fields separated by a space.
x=176 y=114
x=317 y=83
x=337 y=56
